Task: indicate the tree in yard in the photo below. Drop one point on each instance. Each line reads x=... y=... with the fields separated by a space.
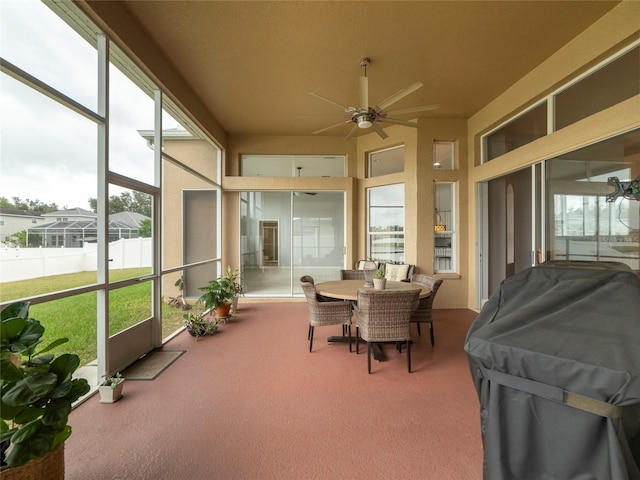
x=137 y=202
x=28 y=205
x=144 y=229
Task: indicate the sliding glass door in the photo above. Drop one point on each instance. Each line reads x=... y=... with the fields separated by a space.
x=585 y=221
x=285 y=235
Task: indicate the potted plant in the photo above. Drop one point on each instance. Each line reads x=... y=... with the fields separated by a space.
x=37 y=393
x=198 y=326
x=111 y=389
x=218 y=295
x=379 y=282
x=179 y=301
x=238 y=286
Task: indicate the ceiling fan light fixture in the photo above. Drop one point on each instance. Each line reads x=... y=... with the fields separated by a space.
x=364 y=122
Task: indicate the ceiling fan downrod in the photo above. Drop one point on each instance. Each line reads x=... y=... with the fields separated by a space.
x=364 y=63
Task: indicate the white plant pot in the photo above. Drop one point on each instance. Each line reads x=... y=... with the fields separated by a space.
x=111 y=394
x=379 y=283
x=234 y=305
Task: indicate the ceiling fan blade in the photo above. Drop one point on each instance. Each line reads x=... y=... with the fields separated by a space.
x=353 y=130
x=399 y=95
x=424 y=108
x=364 y=93
x=395 y=121
x=339 y=105
x=331 y=126
x=379 y=131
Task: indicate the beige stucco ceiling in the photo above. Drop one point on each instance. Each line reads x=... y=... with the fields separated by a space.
x=253 y=63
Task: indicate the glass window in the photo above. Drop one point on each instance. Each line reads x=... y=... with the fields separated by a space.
x=613 y=83
x=293 y=166
x=386 y=224
x=199 y=238
x=384 y=162
x=130 y=233
x=523 y=129
x=444 y=228
x=443 y=153
x=581 y=223
x=52 y=50
x=129 y=306
x=49 y=164
x=129 y=152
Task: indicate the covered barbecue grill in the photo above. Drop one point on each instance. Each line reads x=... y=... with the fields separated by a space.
x=555 y=358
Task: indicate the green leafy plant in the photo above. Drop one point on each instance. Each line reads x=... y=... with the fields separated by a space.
x=234 y=277
x=112 y=381
x=217 y=293
x=37 y=388
x=379 y=274
x=198 y=326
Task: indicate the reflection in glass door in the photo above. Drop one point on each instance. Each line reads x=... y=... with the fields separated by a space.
x=269 y=239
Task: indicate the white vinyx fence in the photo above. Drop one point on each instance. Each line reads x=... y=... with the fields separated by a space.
x=26 y=263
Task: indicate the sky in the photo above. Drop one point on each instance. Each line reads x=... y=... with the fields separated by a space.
x=48 y=152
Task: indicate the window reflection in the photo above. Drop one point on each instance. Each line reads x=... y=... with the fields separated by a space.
x=386 y=223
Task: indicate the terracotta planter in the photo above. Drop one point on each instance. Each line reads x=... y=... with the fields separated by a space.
x=51 y=467
x=111 y=394
x=223 y=311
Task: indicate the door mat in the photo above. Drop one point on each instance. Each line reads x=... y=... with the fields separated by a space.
x=151 y=365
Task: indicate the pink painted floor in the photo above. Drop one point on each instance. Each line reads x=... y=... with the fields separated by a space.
x=252 y=403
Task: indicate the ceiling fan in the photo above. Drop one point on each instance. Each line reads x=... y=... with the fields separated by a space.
x=368 y=117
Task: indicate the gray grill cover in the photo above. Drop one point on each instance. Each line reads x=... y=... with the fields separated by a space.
x=552 y=336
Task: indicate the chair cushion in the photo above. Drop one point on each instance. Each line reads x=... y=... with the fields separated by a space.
x=396 y=273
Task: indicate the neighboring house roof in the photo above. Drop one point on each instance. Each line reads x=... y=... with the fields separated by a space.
x=19 y=213
x=132 y=219
x=80 y=225
x=70 y=212
x=116 y=220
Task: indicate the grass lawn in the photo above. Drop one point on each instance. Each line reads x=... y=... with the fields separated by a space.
x=75 y=317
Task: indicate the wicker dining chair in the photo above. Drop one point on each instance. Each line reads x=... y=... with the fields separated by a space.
x=352 y=274
x=325 y=313
x=384 y=316
x=424 y=312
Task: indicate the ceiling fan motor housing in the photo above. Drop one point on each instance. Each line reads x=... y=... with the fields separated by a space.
x=364 y=119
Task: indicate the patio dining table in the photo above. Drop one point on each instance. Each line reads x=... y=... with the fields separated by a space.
x=348 y=290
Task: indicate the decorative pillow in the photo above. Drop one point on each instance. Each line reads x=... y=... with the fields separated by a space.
x=396 y=273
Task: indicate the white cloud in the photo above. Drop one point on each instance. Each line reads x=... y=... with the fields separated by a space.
x=48 y=152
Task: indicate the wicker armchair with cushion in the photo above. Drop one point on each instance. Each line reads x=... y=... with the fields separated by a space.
x=325 y=313
x=424 y=312
x=384 y=316
x=398 y=272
